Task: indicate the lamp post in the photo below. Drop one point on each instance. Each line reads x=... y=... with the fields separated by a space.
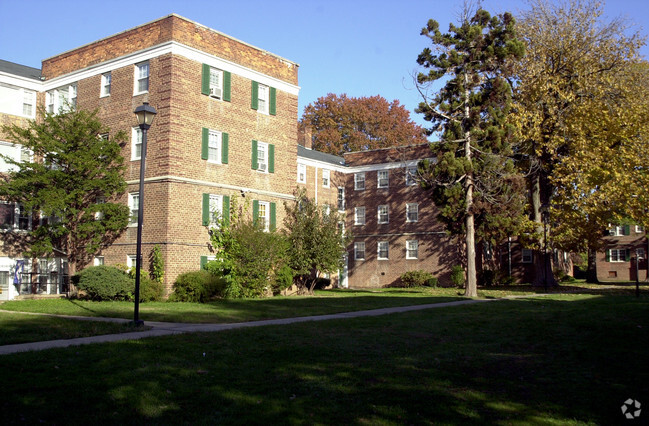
x=145 y=114
x=545 y=215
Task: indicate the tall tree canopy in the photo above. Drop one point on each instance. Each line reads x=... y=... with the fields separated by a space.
x=74 y=181
x=581 y=107
x=344 y=124
x=473 y=174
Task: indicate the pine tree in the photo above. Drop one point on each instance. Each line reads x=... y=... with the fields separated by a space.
x=473 y=169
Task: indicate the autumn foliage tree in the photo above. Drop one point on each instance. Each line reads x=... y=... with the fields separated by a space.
x=344 y=124
x=474 y=174
x=581 y=108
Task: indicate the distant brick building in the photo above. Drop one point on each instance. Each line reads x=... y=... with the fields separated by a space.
x=624 y=253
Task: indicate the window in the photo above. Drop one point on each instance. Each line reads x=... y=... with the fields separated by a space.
x=15 y=100
x=359 y=250
x=14 y=152
x=359 y=216
x=98 y=261
x=263 y=157
x=383 y=214
x=412 y=249
x=131 y=260
x=359 y=181
x=382 y=179
x=301 y=173
x=341 y=198
x=141 y=78
x=264 y=214
x=215 y=207
x=620 y=230
x=99 y=214
x=14 y=216
x=411 y=175
x=134 y=206
x=214 y=146
x=61 y=99
x=382 y=250
x=25 y=155
x=264 y=98
x=136 y=144
x=412 y=212
x=527 y=256
x=325 y=178
x=105 y=84
x=618 y=255
x=215 y=83
x=640 y=253
x=639 y=229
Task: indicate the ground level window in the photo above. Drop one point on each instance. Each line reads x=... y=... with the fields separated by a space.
x=618 y=255
x=527 y=256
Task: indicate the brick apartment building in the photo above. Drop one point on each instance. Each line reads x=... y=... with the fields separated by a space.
x=226 y=129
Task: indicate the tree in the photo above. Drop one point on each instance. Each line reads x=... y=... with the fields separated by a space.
x=473 y=169
x=73 y=183
x=316 y=242
x=580 y=110
x=344 y=124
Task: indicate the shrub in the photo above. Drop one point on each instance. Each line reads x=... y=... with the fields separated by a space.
x=104 y=283
x=418 y=278
x=457 y=275
x=431 y=282
x=568 y=279
x=196 y=286
x=283 y=279
x=488 y=277
x=150 y=290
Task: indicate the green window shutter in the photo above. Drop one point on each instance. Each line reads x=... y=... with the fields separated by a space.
x=205 y=144
x=254 y=155
x=255 y=211
x=272 y=107
x=273 y=217
x=206 y=209
x=627 y=230
x=225 y=140
x=203 y=262
x=255 y=96
x=628 y=254
x=271 y=158
x=226 y=210
x=608 y=255
x=227 y=78
x=205 y=80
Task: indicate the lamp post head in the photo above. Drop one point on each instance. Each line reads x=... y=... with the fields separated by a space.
x=145 y=114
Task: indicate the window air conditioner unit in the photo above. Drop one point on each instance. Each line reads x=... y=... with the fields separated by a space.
x=262 y=167
x=216 y=92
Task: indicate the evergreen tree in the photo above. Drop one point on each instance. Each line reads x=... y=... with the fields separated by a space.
x=72 y=186
x=473 y=171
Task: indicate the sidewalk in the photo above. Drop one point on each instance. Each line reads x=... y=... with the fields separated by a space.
x=167 y=328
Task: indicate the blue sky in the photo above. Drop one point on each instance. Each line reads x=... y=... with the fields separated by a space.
x=357 y=47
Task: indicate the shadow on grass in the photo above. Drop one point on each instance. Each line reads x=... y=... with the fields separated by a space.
x=525 y=361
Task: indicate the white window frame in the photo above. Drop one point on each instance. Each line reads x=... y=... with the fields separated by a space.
x=411 y=172
x=412 y=209
x=527 y=256
x=106 y=79
x=214 y=146
x=216 y=209
x=216 y=83
x=359 y=181
x=359 y=215
x=385 y=179
x=133 y=206
x=61 y=99
x=617 y=231
x=136 y=142
x=617 y=255
x=142 y=75
x=340 y=200
x=412 y=246
x=383 y=214
x=384 y=244
x=17 y=208
x=262 y=160
x=264 y=207
x=131 y=260
x=263 y=97
x=301 y=173
x=326 y=178
x=639 y=229
x=98 y=261
x=359 y=247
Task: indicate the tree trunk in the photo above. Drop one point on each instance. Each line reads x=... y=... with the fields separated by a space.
x=471 y=289
x=543 y=275
x=591 y=269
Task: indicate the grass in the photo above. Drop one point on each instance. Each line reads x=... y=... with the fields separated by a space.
x=560 y=359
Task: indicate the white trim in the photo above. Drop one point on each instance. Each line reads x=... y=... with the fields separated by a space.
x=408 y=250
x=323 y=165
x=378 y=250
x=174 y=48
x=23 y=82
x=242 y=189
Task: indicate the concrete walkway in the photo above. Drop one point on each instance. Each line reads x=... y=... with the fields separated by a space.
x=167 y=328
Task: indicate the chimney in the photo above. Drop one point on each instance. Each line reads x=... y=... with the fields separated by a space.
x=304 y=136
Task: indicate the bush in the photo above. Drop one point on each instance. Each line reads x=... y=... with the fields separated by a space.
x=196 y=286
x=457 y=275
x=568 y=279
x=488 y=277
x=150 y=290
x=104 y=283
x=418 y=278
x=283 y=279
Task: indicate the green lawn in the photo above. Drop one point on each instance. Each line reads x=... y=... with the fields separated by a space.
x=560 y=359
